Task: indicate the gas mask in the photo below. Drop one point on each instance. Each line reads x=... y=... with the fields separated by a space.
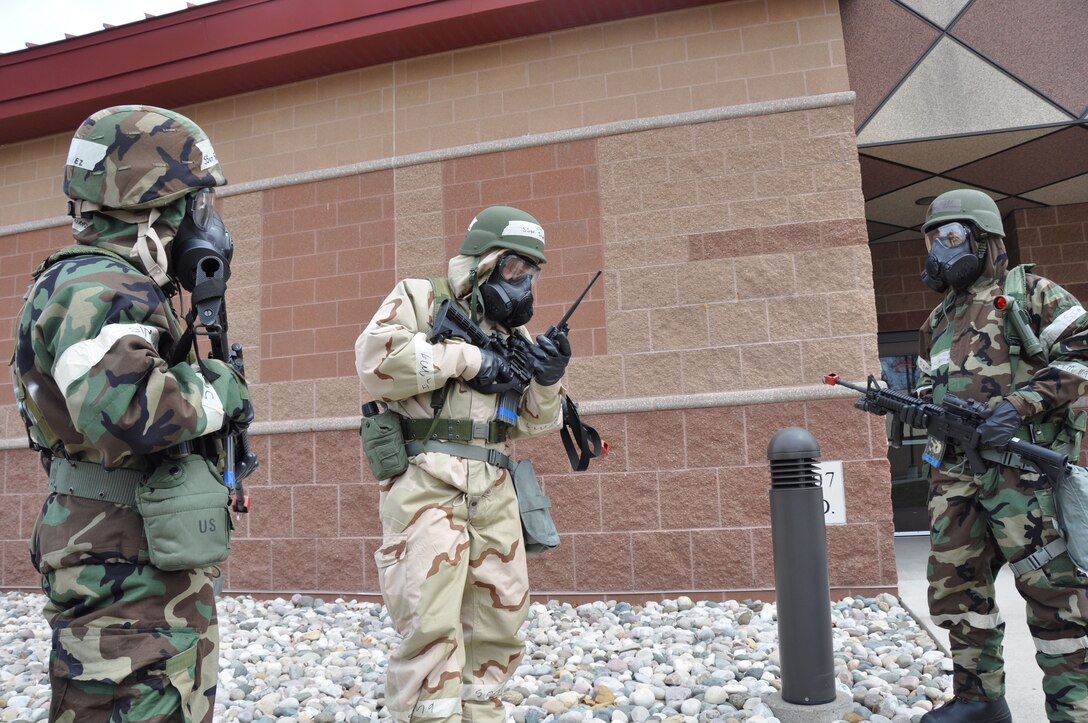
x=951 y=262
x=508 y=292
x=202 y=246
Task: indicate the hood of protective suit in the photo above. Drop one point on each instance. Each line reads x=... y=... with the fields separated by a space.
x=125 y=232
x=461 y=267
x=994 y=265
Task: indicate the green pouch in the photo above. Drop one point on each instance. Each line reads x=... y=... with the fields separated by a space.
x=383 y=442
x=535 y=507
x=184 y=505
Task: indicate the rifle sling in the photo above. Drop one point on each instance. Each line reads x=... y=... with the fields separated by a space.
x=468 y=451
x=581 y=441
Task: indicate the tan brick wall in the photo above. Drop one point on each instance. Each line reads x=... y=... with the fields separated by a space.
x=707 y=57
x=723 y=245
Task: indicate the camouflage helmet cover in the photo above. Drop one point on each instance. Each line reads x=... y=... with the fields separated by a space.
x=964 y=204
x=504 y=227
x=136 y=157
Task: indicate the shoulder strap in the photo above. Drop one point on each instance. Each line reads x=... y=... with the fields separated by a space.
x=441 y=290
x=1016 y=317
x=939 y=313
x=1016 y=284
x=440 y=285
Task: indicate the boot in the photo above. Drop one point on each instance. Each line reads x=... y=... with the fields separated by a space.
x=961 y=710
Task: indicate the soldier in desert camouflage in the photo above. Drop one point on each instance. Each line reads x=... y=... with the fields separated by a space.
x=979 y=523
x=452 y=564
x=103 y=400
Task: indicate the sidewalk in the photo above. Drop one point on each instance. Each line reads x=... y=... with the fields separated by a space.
x=1023 y=680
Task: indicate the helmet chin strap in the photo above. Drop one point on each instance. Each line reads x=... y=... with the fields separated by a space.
x=145 y=223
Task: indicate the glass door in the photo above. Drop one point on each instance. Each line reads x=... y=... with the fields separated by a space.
x=898 y=353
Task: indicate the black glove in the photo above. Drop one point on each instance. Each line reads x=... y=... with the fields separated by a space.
x=550 y=358
x=1000 y=426
x=242 y=418
x=494 y=372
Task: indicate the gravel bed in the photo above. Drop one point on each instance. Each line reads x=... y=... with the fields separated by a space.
x=678 y=661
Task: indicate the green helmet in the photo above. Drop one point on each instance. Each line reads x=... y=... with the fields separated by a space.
x=965 y=204
x=504 y=227
x=137 y=157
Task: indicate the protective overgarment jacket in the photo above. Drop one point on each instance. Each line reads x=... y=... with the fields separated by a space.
x=452 y=561
x=978 y=523
x=131 y=642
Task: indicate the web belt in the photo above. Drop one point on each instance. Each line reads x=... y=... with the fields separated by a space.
x=454 y=430
x=94 y=482
x=468 y=451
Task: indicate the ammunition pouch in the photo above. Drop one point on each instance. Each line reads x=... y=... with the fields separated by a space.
x=537 y=527
x=383 y=444
x=184 y=506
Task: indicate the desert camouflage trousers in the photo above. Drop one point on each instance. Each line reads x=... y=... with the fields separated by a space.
x=453 y=578
x=976 y=525
x=131 y=643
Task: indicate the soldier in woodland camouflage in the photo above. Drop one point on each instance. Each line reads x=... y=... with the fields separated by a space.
x=979 y=523
x=103 y=400
x=452 y=563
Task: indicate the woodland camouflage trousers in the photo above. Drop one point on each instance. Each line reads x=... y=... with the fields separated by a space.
x=453 y=577
x=976 y=525
x=131 y=643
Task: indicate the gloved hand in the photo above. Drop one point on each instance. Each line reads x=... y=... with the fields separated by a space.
x=550 y=358
x=232 y=391
x=1000 y=426
x=494 y=370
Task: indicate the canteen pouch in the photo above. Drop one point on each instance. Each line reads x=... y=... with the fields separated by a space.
x=383 y=442
x=184 y=506
x=1072 y=502
x=537 y=525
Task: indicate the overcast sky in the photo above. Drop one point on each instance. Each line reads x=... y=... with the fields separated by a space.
x=46 y=21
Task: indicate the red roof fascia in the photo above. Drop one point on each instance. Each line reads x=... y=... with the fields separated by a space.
x=231 y=47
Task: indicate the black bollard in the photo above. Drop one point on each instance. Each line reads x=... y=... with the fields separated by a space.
x=800 y=569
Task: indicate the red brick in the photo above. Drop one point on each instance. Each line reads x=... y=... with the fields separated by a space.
x=315 y=511
x=602 y=563
x=662 y=561
x=295 y=565
x=576 y=502
x=249 y=567
x=630 y=501
x=723 y=559
x=689 y=499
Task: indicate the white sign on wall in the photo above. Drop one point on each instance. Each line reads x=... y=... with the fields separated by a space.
x=831 y=484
